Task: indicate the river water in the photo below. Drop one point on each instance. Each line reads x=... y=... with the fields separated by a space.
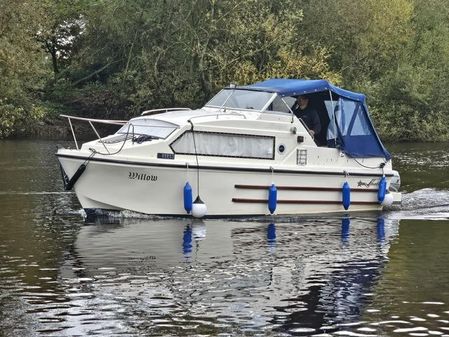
x=367 y=274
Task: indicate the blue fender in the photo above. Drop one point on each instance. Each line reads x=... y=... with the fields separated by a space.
x=188 y=198
x=346 y=195
x=272 y=198
x=382 y=189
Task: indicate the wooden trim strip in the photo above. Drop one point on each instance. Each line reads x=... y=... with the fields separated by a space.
x=309 y=202
x=302 y=188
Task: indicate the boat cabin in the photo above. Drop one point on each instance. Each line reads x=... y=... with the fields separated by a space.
x=343 y=115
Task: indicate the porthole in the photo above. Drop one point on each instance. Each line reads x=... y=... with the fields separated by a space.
x=281 y=148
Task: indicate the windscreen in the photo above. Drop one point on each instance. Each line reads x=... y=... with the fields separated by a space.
x=240 y=99
x=148 y=127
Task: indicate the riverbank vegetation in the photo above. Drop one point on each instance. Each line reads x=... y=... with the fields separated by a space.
x=115 y=58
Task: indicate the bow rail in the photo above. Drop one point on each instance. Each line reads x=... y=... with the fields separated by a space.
x=91 y=121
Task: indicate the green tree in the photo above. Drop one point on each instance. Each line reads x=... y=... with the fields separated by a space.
x=23 y=67
x=365 y=38
x=114 y=58
x=62 y=27
x=412 y=101
x=135 y=55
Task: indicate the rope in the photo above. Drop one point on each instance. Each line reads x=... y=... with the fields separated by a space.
x=121 y=147
x=197 y=163
x=89 y=158
x=381 y=165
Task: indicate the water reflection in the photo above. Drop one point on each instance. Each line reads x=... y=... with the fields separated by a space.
x=177 y=277
x=306 y=281
x=187 y=242
x=193 y=234
x=271 y=237
x=345 y=230
x=380 y=229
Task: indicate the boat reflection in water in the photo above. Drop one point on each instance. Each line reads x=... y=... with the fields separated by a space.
x=193 y=233
x=295 y=276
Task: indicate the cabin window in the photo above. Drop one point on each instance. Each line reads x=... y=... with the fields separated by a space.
x=224 y=145
x=148 y=127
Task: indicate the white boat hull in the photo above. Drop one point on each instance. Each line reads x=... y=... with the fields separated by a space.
x=157 y=188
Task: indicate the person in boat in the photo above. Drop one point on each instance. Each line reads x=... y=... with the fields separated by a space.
x=307 y=114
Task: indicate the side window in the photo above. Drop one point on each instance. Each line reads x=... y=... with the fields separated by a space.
x=349 y=117
x=333 y=111
x=224 y=145
x=279 y=105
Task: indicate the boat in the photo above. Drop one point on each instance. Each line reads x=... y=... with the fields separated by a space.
x=245 y=153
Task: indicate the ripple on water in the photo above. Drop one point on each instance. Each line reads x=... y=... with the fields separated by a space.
x=423 y=204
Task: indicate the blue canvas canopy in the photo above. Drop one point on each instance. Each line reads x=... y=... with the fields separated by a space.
x=290 y=87
x=350 y=123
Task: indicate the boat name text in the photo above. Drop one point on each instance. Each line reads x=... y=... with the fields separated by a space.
x=142 y=176
x=368 y=184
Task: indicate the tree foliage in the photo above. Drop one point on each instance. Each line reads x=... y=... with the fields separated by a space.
x=21 y=72
x=59 y=32
x=179 y=53
x=114 y=58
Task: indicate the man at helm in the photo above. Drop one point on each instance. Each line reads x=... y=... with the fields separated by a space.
x=307 y=114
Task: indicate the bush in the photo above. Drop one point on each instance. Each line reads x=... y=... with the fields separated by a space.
x=9 y=115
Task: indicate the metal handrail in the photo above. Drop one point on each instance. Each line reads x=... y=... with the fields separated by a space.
x=146 y=112
x=104 y=121
x=232 y=113
x=90 y=121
